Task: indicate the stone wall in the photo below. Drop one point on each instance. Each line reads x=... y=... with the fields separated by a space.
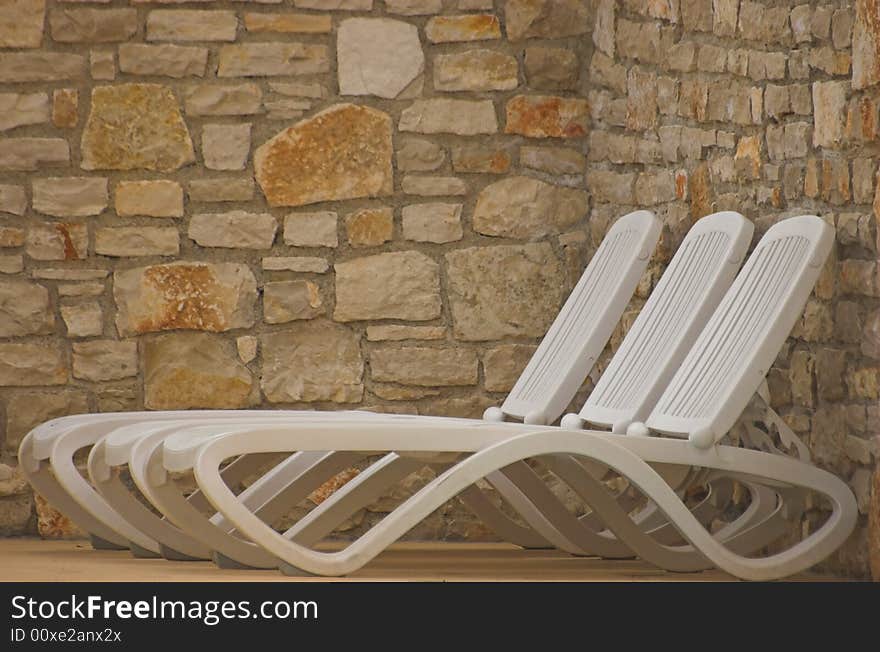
x=382 y=203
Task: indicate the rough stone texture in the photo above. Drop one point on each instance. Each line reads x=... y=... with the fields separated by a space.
x=288 y=23
x=39 y=66
x=481 y=159
x=92 y=25
x=545 y=18
x=503 y=291
x=236 y=99
x=502 y=365
x=83 y=319
x=866 y=44
x=220 y=190
x=57 y=241
x=539 y=116
x=129 y=241
x=226 y=147
x=135 y=126
x=13 y=201
x=163 y=60
x=399 y=285
x=465 y=27
x=285 y=301
x=475 y=70
x=99 y=361
x=24 y=309
x=19 y=109
x=23 y=365
x=522 y=207
x=65 y=102
x=236 y=229
x=377 y=56
x=433 y=186
x=311 y=229
x=307 y=264
x=32 y=153
x=552 y=69
x=70 y=196
x=555 y=160
x=269 y=59
x=293 y=168
x=398 y=333
x=186 y=295
x=424 y=367
x=419 y=155
x=149 y=198
x=369 y=227
x=185 y=25
x=194 y=370
x=438 y=223
x=312 y=361
x=462 y=117
x=26 y=409
x=21 y=23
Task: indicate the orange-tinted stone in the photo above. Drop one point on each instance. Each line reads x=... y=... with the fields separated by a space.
x=343 y=152
x=544 y=116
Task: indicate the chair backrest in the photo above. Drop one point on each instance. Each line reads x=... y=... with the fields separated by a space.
x=580 y=331
x=688 y=293
x=732 y=355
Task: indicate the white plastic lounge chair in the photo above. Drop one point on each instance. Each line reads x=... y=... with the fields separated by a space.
x=691 y=288
x=684 y=433
x=46 y=453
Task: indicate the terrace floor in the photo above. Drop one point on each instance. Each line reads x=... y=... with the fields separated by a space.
x=33 y=560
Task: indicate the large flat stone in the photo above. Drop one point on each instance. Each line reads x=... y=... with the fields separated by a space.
x=547 y=116
x=158 y=198
x=57 y=241
x=21 y=23
x=464 y=27
x=135 y=126
x=164 y=60
x=285 y=301
x=26 y=409
x=268 y=59
x=191 y=25
x=293 y=168
x=425 y=367
x=866 y=44
x=235 y=229
x=475 y=70
x=88 y=25
x=396 y=285
x=184 y=295
x=20 y=109
x=523 y=207
x=103 y=360
x=377 y=56
x=24 y=309
x=129 y=241
x=503 y=291
x=211 y=99
x=32 y=153
x=194 y=370
x=23 y=365
x=70 y=196
x=40 y=66
x=312 y=361
x=450 y=116
x=546 y=18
